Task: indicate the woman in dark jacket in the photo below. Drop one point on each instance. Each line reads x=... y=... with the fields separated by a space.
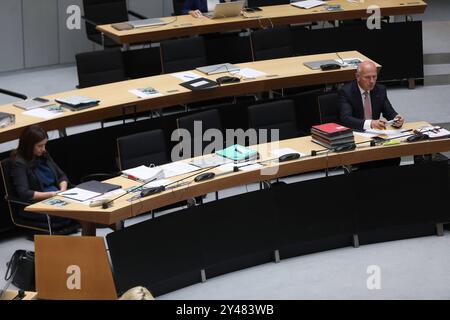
x=35 y=176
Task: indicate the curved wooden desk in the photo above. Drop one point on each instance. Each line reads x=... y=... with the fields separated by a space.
x=186 y=25
x=122 y=209
x=115 y=98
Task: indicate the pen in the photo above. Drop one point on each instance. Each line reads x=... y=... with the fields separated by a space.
x=189 y=77
x=69 y=194
x=406 y=130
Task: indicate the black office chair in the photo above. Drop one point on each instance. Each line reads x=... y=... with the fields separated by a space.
x=209 y=119
x=262 y=3
x=100 y=67
x=142 y=63
x=274 y=115
x=329 y=108
x=228 y=47
x=98 y=12
x=142 y=148
x=31 y=221
x=279 y=115
x=183 y=54
x=272 y=43
x=146 y=148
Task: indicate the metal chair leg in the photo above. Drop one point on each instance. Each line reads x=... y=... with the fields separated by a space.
x=49 y=224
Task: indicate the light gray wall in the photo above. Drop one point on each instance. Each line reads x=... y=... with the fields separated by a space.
x=71 y=42
x=11 y=35
x=33 y=33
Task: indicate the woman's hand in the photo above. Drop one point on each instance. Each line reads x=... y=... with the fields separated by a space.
x=196 y=13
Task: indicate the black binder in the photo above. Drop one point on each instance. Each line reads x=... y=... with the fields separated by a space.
x=199 y=84
x=97 y=186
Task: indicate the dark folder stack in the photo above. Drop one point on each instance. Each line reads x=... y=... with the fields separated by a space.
x=332 y=135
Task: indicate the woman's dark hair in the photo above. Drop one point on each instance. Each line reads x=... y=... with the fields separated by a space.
x=27 y=140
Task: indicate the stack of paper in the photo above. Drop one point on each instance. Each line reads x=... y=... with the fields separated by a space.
x=177 y=168
x=143 y=173
x=308 y=4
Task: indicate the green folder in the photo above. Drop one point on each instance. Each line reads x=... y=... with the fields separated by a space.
x=238 y=153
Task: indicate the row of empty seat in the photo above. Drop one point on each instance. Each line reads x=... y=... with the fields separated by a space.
x=113 y=65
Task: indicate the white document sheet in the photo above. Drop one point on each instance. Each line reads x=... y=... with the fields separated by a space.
x=186 y=76
x=41 y=113
x=249 y=73
x=146 y=93
x=283 y=151
x=308 y=4
x=79 y=194
x=177 y=168
x=245 y=166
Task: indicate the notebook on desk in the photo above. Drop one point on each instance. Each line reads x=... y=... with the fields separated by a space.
x=315 y=65
x=33 y=103
x=146 y=23
x=218 y=68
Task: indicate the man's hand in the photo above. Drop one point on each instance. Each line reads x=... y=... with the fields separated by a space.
x=196 y=13
x=379 y=124
x=398 y=121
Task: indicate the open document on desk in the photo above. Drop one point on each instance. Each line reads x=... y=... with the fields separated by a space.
x=307 y=4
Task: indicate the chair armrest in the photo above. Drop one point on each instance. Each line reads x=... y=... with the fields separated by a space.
x=93 y=23
x=16 y=201
x=137 y=15
x=14 y=94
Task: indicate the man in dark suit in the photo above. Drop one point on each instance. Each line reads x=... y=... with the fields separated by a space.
x=361 y=104
x=196 y=7
x=363 y=101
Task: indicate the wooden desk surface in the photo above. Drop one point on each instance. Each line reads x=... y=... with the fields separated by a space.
x=281 y=73
x=122 y=209
x=277 y=15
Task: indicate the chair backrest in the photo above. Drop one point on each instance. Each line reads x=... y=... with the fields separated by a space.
x=100 y=67
x=274 y=115
x=143 y=148
x=183 y=54
x=261 y=3
x=142 y=63
x=103 y=12
x=329 y=108
x=210 y=119
x=272 y=43
x=228 y=47
x=6 y=168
